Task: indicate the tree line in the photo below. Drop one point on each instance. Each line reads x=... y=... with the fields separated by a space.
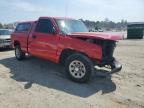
x=106 y=25
x=7 y=26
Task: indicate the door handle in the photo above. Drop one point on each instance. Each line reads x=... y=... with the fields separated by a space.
x=34 y=36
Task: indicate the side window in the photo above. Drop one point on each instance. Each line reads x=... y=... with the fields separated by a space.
x=44 y=26
x=23 y=27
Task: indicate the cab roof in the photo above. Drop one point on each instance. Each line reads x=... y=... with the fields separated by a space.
x=45 y=17
x=26 y=22
x=55 y=17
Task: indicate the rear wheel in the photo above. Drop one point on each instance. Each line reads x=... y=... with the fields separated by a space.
x=79 y=67
x=19 y=54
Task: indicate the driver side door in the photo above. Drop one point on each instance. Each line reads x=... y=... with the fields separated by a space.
x=44 y=40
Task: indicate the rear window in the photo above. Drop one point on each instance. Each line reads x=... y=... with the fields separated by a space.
x=44 y=26
x=23 y=27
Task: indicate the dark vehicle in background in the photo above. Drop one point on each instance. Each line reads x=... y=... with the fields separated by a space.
x=5 y=38
x=135 y=30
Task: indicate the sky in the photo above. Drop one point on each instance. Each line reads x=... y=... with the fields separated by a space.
x=115 y=10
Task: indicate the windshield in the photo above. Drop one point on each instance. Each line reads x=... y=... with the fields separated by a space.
x=5 y=32
x=71 y=26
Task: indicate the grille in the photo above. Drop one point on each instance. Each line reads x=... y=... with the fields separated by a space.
x=7 y=40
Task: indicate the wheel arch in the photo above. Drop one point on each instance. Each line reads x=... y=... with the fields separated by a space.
x=65 y=53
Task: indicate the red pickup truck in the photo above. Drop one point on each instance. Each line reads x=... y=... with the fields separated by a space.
x=66 y=41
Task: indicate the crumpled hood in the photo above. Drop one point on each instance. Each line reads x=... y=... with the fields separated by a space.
x=5 y=36
x=98 y=35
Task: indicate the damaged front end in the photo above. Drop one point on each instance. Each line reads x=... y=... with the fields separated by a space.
x=108 y=61
x=108 y=44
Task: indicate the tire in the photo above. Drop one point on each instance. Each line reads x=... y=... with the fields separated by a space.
x=79 y=68
x=19 y=54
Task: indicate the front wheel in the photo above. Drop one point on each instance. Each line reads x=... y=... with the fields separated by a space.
x=19 y=54
x=79 y=68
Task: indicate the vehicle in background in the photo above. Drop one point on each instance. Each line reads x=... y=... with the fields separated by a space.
x=66 y=41
x=96 y=30
x=5 y=38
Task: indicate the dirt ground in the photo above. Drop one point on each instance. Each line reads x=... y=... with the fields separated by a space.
x=37 y=83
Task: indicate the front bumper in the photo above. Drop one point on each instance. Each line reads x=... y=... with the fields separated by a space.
x=111 y=68
x=117 y=67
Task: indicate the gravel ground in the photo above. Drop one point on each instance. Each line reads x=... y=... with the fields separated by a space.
x=37 y=83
